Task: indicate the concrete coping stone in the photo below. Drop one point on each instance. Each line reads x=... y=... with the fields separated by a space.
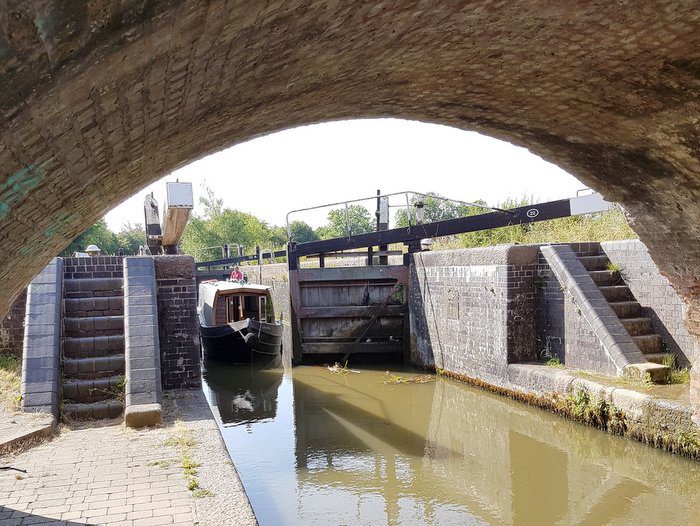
x=143 y=415
x=546 y=381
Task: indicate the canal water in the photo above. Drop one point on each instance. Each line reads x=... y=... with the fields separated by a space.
x=317 y=448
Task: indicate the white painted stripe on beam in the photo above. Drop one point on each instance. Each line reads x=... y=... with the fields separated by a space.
x=587 y=204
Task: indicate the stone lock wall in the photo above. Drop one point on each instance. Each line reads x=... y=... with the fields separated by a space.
x=99 y=101
x=475 y=311
x=178 y=329
x=97 y=267
x=656 y=295
x=12 y=327
x=562 y=332
x=472 y=310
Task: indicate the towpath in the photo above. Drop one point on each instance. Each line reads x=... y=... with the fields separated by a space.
x=114 y=475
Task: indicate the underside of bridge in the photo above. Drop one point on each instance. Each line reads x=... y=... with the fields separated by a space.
x=98 y=98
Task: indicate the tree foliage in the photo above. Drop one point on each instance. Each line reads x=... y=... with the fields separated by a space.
x=129 y=238
x=302 y=233
x=600 y=226
x=435 y=208
x=360 y=222
x=217 y=226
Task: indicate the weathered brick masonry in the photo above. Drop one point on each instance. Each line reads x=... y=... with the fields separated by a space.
x=99 y=101
x=658 y=299
x=177 y=322
x=561 y=330
x=12 y=327
x=472 y=310
x=475 y=311
x=98 y=267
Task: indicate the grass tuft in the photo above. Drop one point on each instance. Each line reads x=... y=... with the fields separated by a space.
x=183 y=441
x=555 y=362
x=200 y=493
x=10 y=382
x=158 y=463
x=613 y=267
x=679 y=375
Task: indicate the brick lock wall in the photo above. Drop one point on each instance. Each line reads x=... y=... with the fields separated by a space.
x=177 y=319
x=12 y=327
x=560 y=328
x=654 y=292
x=472 y=310
x=559 y=325
x=99 y=267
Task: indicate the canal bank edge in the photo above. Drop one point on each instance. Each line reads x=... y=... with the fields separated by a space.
x=658 y=422
x=482 y=315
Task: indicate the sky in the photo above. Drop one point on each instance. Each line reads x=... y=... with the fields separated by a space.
x=344 y=160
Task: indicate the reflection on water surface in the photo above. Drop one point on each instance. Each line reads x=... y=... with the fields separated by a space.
x=316 y=448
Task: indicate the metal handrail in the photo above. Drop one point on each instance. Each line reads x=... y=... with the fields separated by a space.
x=407 y=193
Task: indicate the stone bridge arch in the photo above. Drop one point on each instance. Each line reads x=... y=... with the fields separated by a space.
x=100 y=98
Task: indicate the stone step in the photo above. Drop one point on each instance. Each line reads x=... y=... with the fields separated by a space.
x=93 y=390
x=616 y=293
x=638 y=326
x=100 y=306
x=657 y=357
x=93 y=411
x=626 y=309
x=658 y=373
x=93 y=325
x=606 y=277
x=594 y=262
x=92 y=287
x=649 y=343
x=92 y=368
x=93 y=346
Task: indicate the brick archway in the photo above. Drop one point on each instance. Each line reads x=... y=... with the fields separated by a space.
x=99 y=99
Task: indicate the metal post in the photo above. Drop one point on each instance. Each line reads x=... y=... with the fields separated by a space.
x=408 y=212
x=377 y=212
x=347 y=220
x=383 y=225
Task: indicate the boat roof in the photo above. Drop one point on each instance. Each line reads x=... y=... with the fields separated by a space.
x=232 y=287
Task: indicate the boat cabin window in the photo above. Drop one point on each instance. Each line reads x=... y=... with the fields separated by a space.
x=242 y=307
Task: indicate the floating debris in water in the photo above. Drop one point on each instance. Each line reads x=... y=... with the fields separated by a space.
x=397 y=380
x=336 y=368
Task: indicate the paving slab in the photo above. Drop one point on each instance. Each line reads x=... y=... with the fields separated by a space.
x=108 y=474
x=17 y=429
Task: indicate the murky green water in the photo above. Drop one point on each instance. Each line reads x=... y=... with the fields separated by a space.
x=315 y=448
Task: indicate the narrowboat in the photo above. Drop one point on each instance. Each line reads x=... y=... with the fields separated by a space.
x=237 y=323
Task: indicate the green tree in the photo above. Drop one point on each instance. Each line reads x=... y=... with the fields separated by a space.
x=435 y=208
x=302 y=232
x=98 y=234
x=130 y=238
x=217 y=226
x=360 y=222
